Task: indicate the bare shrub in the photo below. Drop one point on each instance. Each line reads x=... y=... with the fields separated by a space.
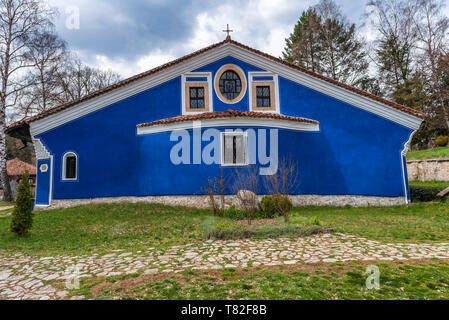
x=214 y=186
x=246 y=188
x=284 y=183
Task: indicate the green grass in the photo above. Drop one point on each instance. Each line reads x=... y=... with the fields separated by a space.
x=414 y=223
x=224 y=228
x=105 y=226
x=434 y=184
x=5 y=204
x=398 y=280
x=428 y=153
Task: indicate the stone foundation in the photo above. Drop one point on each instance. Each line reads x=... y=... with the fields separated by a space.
x=428 y=169
x=203 y=201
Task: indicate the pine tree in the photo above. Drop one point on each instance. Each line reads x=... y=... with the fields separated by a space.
x=394 y=60
x=22 y=217
x=322 y=41
x=302 y=47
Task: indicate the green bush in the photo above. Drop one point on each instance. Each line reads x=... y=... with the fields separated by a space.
x=442 y=141
x=22 y=217
x=314 y=221
x=233 y=213
x=283 y=205
x=423 y=194
x=216 y=228
x=268 y=206
x=276 y=205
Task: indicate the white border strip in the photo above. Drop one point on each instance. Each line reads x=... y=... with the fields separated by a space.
x=404 y=169
x=233 y=122
x=227 y=49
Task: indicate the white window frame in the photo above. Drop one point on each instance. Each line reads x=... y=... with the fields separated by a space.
x=245 y=148
x=252 y=82
x=64 y=165
x=184 y=81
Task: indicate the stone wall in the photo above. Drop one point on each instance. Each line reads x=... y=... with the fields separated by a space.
x=428 y=169
x=203 y=201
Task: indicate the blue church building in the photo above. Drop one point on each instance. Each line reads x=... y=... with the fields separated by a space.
x=223 y=108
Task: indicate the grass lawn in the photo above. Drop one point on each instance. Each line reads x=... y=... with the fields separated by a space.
x=99 y=228
x=428 y=153
x=417 y=222
x=398 y=280
x=435 y=184
x=103 y=227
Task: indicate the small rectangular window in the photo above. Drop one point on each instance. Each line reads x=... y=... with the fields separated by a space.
x=263 y=97
x=233 y=149
x=196 y=97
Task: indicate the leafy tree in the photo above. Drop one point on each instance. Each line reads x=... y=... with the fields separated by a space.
x=22 y=217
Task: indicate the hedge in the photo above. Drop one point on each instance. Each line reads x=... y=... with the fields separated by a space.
x=218 y=228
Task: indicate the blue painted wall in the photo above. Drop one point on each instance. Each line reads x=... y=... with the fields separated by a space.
x=43 y=183
x=355 y=152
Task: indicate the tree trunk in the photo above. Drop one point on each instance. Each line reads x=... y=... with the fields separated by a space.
x=7 y=194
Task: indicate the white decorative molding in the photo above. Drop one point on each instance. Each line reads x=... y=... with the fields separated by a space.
x=40 y=150
x=404 y=173
x=275 y=80
x=64 y=166
x=243 y=82
x=226 y=49
x=340 y=93
x=43 y=167
x=186 y=75
x=232 y=122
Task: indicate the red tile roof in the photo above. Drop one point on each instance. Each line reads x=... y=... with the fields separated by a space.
x=15 y=167
x=189 y=56
x=226 y=114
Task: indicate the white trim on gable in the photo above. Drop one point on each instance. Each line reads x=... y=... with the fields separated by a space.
x=200 y=60
x=327 y=88
x=231 y=122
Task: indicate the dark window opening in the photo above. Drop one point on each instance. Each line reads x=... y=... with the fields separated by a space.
x=70 y=169
x=197 y=98
x=230 y=85
x=263 y=97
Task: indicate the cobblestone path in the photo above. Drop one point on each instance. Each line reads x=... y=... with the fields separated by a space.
x=28 y=277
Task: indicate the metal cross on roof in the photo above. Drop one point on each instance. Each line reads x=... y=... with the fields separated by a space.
x=227 y=30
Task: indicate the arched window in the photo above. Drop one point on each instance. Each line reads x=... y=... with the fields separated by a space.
x=70 y=166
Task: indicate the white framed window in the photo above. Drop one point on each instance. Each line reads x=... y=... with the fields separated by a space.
x=264 y=92
x=70 y=166
x=234 y=146
x=196 y=92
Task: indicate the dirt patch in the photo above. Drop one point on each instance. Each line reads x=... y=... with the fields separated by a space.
x=259 y=222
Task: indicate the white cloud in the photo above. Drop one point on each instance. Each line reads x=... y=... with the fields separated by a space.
x=128 y=68
x=263 y=25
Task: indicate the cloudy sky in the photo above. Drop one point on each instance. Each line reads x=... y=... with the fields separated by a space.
x=131 y=36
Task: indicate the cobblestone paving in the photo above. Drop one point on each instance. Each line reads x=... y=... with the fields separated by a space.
x=27 y=277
